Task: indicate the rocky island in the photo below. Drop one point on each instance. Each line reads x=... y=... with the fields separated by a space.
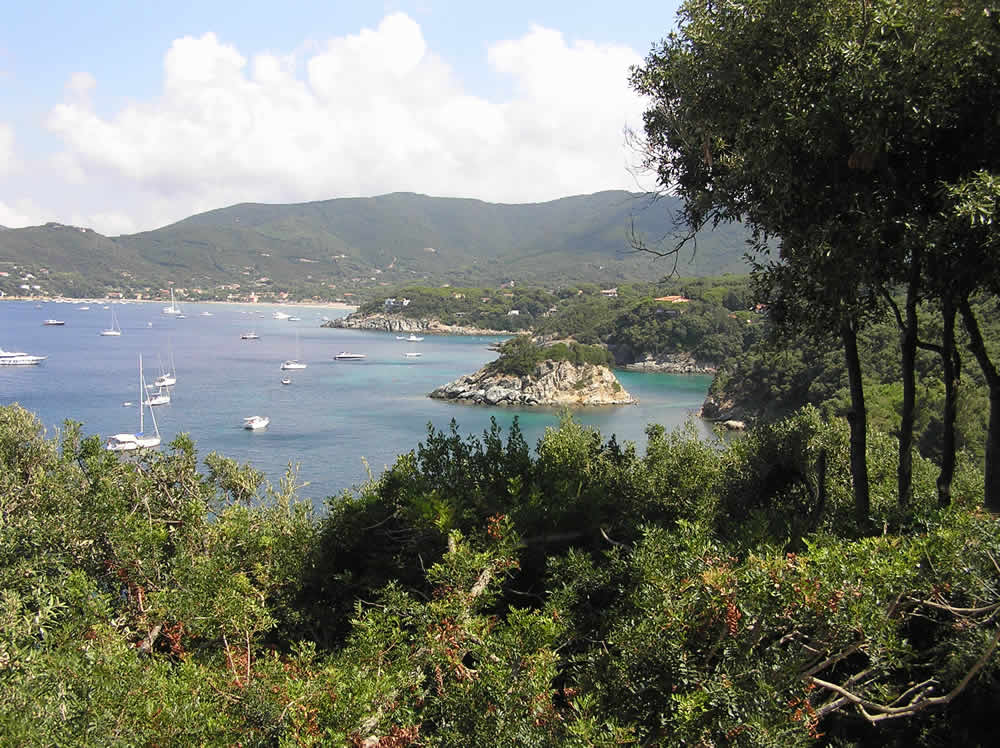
x=398 y=323
x=529 y=375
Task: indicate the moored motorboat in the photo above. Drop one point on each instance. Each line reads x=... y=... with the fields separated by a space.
x=54 y=322
x=286 y=380
x=411 y=338
x=250 y=336
x=348 y=356
x=19 y=358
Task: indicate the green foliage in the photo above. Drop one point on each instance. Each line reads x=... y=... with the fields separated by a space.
x=519 y=356
x=359 y=246
x=480 y=592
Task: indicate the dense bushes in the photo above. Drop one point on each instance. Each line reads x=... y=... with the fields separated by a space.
x=519 y=356
x=481 y=592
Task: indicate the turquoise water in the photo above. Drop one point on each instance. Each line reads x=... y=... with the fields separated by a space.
x=333 y=419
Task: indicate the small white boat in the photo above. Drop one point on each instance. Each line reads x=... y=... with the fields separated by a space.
x=286 y=380
x=207 y=314
x=161 y=397
x=130 y=442
x=256 y=422
x=295 y=363
x=411 y=338
x=280 y=315
x=173 y=309
x=412 y=354
x=115 y=330
x=294 y=319
x=249 y=336
x=54 y=322
x=167 y=378
x=347 y=356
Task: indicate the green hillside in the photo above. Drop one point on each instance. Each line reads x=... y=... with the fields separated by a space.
x=352 y=244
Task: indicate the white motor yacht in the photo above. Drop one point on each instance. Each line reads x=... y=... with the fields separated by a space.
x=19 y=358
x=347 y=356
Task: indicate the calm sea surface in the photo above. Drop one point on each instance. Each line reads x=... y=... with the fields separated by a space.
x=332 y=419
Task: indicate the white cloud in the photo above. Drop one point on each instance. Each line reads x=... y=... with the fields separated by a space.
x=6 y=148
x=79 y=86
x=20 y=213
x=371 y=113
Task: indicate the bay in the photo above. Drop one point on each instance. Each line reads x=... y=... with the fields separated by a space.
x=339 y=422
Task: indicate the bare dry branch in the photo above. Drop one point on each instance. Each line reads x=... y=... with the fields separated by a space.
x=918 y=694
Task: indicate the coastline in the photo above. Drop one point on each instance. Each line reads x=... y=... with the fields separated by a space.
x=105 y=300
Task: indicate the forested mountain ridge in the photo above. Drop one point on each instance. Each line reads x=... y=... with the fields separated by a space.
x=329 y=246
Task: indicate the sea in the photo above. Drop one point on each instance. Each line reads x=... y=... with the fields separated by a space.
x=338 y=424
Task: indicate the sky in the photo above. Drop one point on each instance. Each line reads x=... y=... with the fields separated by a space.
x=126 y=116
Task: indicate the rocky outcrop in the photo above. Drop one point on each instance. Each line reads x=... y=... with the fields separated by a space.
x=717 y=407
x=672 y=363
x=397 y=323
x=553 y=383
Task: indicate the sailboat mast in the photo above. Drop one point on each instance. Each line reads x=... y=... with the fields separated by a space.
x=156 y=429
x=141 y=395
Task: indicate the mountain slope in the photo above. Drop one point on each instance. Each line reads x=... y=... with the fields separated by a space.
x=396 y=238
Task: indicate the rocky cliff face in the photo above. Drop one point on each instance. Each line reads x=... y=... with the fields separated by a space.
x=553 y=383
x=673 y=363
x=396 y=323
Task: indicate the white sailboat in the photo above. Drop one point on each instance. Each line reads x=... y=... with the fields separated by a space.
x=295 y=363
x=167 y=378
x=173 y=309
x=130 y=442
x=162 y=397
x=115 y=330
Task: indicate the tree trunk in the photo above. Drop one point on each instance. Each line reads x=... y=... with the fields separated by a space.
x=991 y=489
x=908 y=363
x=951 y=366
x=858 y=420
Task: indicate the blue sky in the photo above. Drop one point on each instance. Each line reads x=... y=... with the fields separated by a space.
x=125 y=116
